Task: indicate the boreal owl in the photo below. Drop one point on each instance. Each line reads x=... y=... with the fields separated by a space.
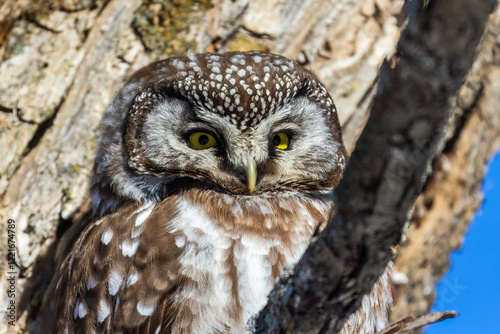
x=213 y=172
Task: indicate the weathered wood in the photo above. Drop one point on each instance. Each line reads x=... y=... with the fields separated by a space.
x=61 y=63
x=452 y=193
x=386 y=171
x=409 y=323
x=51 y=180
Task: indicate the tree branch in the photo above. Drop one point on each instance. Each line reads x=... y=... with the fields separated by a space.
x=410 y=323
x=386 y=171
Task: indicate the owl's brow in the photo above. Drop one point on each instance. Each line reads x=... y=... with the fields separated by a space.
x=288 y=118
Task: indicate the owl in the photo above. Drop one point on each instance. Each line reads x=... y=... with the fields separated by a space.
x=213 y=172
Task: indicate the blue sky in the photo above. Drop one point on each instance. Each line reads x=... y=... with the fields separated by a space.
x=472 y=286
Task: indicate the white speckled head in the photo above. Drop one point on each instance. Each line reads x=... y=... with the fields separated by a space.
x=243 y=88
x=242 y=100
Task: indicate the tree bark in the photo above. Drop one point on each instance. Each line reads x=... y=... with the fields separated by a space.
x=452 y=193
x=386 y=171
x=63 y=61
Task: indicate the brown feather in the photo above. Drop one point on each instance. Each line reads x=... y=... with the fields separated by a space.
x=175 y=241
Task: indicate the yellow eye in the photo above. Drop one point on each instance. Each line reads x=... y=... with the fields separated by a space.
x=281 y=141
x=202 y=140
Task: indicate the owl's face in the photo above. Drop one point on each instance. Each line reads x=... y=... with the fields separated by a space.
x=241 y=123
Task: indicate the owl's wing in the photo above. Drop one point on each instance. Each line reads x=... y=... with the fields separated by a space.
x=119 y=274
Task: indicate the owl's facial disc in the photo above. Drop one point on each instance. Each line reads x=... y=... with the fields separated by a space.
x=289 y=150
x=249 y=123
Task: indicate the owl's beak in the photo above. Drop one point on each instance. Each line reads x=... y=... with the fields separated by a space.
x=251 y=170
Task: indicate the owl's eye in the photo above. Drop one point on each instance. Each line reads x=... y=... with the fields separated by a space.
x=281 y=141
x=202 y=140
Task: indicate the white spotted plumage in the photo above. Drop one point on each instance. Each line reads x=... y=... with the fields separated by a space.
x=104 y=311
x=114 y=281
x=188 y=239
x=106 y=237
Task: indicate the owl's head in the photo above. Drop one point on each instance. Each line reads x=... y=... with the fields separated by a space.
x=246 y=124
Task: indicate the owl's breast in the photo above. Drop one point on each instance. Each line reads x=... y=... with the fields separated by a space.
x=234 y=248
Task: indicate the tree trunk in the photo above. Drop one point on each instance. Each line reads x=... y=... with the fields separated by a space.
x=452 y=193
x=63 y=61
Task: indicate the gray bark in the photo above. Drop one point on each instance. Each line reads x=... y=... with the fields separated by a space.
x=61 y=62
x=405 y=132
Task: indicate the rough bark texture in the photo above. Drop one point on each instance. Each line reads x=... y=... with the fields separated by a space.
x=453 y=191
x=63 y=61
x=386 y=171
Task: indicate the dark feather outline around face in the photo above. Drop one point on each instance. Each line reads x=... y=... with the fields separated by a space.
x=195 y=79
